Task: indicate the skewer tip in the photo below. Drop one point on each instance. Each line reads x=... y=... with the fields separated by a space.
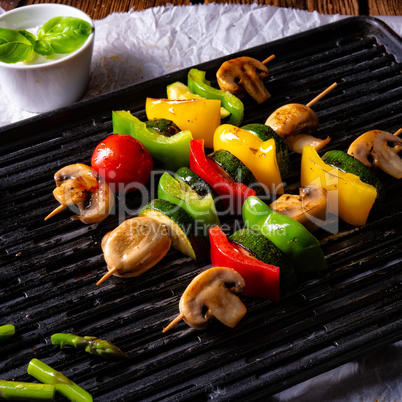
x=268 y=59
x=56 y=211
x=173 y=323
x=322 y=94
x=106 y=276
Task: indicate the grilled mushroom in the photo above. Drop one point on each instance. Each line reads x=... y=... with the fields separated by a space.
x=134 y=247
x=379 y=149
x=212 y=294
x=80 y=185
x=309 y=207
x=244 y=75
x=294 y=123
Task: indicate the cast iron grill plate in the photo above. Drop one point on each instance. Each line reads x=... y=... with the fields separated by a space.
x=49 y=269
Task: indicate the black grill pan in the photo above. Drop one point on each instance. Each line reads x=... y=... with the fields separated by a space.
x=49 y=269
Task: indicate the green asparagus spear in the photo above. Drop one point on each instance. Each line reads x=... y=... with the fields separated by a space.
x=90 y=344
x=26 y=391
x=6 y=332
x=46 y=374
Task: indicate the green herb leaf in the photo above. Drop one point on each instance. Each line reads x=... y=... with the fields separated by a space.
x=44 y=48
x=14 y=46
x=65 y=34
x=28 y=35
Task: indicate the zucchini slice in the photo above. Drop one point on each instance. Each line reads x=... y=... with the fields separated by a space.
x=181 y=227
x=233 y=168
x=199 y=185
x=347 y=163
x=264 y=250
x=164 y=127
x=265 y=133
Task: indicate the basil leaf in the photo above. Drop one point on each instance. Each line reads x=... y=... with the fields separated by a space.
x=44 y=48
x=65 y=34
x=14 y=47
x=28 y=35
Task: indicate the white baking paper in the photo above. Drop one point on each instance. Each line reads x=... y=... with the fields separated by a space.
x=140 y=45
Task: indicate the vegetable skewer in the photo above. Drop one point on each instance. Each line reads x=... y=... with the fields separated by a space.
x=90 y=344
x=295 y=123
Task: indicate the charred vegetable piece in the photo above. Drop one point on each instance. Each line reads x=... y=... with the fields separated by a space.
x=349 y=197
x=309 y=207
x=199 y=185
x=202 y=209
x=198 y=84
x=90 y=344
x=164 y=127
x=301 y=248
x=199 y=116
x=236 y=170
x=172 y=152
x=80 y=185
x=181 y=227
x=257 y=155
x=46 y=374
x=231 y=193
x=180 y=91
x=379 y=149
x=250 y=242
x=135 y=246
x=265 y=133
x=347 y=163
x=212 y=294
x=243 y=75
x=261 y=279
x=26 y=391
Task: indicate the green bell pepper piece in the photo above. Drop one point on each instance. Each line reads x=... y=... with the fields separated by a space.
x=202 y=209
x=290 y=236
x=173 y=152
x=199 y=85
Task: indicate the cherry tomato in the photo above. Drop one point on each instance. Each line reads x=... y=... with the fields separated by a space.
x=123 y=162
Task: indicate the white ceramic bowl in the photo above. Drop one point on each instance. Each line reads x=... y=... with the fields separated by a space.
x=43 y=87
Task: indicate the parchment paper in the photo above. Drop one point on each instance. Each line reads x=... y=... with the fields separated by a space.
x=140 y=45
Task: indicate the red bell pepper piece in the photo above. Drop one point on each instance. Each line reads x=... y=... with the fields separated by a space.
x=262 y=280
x=231 y=193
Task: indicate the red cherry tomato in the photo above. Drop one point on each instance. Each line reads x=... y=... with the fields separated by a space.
x=123 y=162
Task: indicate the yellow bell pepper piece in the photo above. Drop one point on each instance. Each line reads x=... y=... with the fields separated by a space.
x=259 y=156
x=348 y=197
x=200 y=116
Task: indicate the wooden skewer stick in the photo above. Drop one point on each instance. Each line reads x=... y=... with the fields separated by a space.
x=174 y=322
x=398 y=132
x=322 y=94
x=106 y=276
x=268 y=59
x=56 y=211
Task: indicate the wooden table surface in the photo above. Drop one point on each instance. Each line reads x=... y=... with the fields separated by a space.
x=99 y=9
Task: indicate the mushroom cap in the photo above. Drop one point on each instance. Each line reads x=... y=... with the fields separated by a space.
x=293 y=118
x=81 y=185
x=243 y=75
x=309 y=207
x=379 y=149
x=213 y=293
x=135 y=246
